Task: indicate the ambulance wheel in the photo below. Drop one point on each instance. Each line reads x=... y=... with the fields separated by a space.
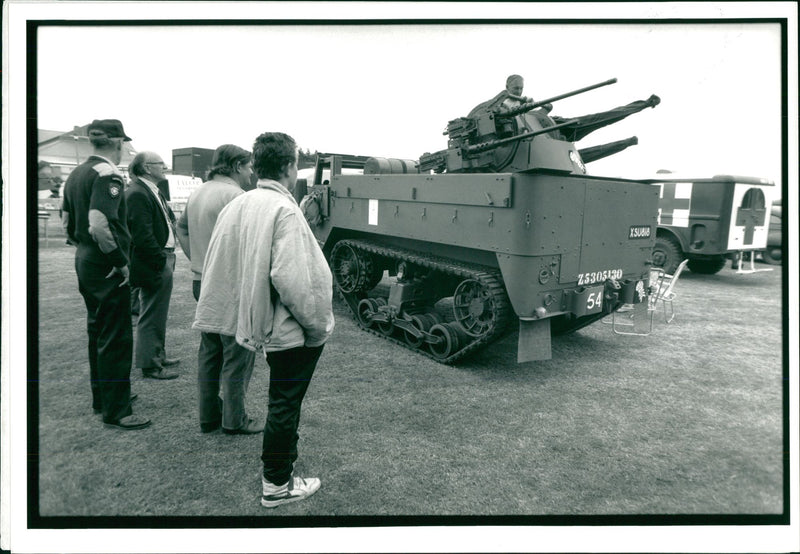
x=772 y=255
x=667 y=254
x=707 y=267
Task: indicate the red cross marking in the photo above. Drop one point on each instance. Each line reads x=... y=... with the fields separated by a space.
x=668 y=203
x=751 y=216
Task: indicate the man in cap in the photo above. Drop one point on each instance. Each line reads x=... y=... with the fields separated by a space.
x=94 y=219
x=151 y=223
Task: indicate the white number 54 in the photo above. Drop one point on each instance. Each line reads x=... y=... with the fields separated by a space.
x=595 y=300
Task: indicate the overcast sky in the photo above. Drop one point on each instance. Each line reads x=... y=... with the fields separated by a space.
x=389 y=90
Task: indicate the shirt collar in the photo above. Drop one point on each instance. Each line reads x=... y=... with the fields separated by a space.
x=153 y=188
x=225 y=179
x=275 y=185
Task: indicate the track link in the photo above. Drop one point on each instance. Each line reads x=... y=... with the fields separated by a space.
x=489 y=278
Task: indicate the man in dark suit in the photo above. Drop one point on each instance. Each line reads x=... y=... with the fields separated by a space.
x=151 y=223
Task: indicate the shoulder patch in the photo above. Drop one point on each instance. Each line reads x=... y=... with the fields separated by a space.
x=114 y=188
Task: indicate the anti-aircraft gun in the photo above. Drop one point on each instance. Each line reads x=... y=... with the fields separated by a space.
x=499 y=137
x=507 y=228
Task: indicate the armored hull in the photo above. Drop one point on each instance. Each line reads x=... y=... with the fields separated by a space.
x=552 y=251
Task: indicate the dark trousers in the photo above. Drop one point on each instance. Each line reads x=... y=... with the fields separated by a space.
x=135 y=300
x=151 y=327
x=223 y=363
x=108 y=323
x=290 y=373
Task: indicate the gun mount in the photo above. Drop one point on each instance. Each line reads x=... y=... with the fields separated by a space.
x=513 y=137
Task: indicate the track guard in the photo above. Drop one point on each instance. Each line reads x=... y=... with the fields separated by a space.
x=534 y=340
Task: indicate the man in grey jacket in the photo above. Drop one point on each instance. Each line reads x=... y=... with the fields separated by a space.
x=266 y=282
x=222 y=363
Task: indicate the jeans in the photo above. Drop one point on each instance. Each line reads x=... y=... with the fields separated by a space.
x=196 y=289
x=290 y=373
x=108 y=324
x=222 y=363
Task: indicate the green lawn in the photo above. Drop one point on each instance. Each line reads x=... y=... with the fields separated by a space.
x=685 y=421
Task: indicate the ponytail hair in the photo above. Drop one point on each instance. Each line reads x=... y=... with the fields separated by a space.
x=227 y=159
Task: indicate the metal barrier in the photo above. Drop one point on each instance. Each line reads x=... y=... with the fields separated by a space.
x=44 y=217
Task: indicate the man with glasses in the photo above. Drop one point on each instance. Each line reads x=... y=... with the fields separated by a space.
x=93 y=215
x=151 y=223
x=46 y=179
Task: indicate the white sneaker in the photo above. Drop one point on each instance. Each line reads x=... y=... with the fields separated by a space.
x=295 y=489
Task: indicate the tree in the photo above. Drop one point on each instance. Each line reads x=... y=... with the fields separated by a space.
x=305 y=158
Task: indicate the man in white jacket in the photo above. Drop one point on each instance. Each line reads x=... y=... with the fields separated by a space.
x=266 y=282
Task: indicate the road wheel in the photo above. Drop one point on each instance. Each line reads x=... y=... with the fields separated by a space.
x=348 y=271
x=474 y=308
x=385 y=327
x=707 y=267
x=449 y=340
x=667 y=254
x=354 y=271
x=366 y=308
x=422 y=322
x=772 y=255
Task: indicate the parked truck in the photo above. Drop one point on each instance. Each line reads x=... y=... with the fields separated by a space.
x=710 y=220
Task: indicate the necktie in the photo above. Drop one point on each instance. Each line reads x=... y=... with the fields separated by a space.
x=170 y=222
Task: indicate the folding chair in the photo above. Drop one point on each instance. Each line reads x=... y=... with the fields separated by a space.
x=662 y=289
x=740 y=267
x=666 y=291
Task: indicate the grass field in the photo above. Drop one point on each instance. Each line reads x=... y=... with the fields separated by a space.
x=685 y=421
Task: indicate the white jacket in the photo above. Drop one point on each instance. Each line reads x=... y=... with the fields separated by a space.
x=265 y=279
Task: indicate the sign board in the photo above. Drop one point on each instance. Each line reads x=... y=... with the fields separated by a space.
x=749 y=226
x=180 y=187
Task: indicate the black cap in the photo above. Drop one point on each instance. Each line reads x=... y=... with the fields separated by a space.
x=111 y=128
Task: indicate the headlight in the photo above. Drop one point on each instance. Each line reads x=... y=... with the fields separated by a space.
x=576 y=159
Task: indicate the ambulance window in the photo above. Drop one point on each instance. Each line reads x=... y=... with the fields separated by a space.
x=753 y=198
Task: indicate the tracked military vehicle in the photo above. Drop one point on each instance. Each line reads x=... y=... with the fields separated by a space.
x=502 y=228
